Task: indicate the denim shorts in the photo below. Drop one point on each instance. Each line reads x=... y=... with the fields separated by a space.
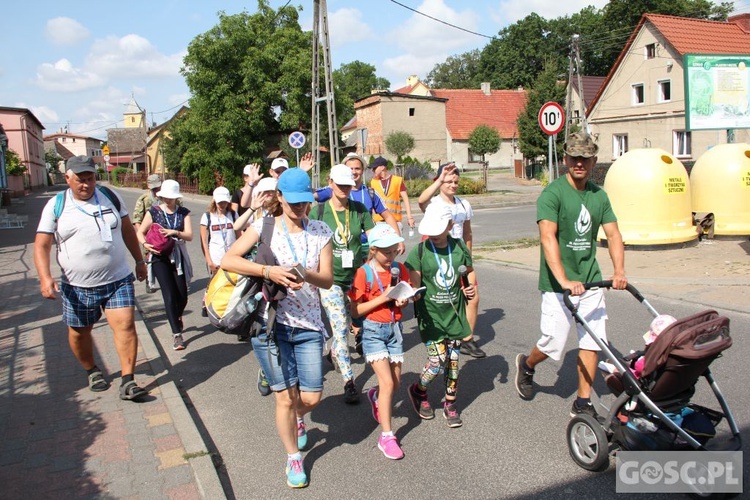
x=83 y=306
x=295 y=358
x=382 y=340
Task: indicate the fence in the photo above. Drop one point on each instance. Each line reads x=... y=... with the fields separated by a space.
x=138 y=180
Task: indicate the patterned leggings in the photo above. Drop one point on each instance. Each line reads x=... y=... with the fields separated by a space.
x=442 y=355
x=335 y=303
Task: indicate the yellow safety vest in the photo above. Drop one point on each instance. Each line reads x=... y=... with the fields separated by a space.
x=391 y=198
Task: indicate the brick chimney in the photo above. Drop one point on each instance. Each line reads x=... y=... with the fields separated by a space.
x=743 y=20
x=485 y=88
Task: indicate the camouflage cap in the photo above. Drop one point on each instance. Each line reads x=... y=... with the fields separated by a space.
x=153 y=181
x=580 y=144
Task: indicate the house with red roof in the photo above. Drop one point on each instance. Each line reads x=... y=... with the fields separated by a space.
x=441 y=120
x=642 y=101
x=67 y=145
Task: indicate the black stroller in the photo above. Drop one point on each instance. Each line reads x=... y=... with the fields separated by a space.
x=655 y=412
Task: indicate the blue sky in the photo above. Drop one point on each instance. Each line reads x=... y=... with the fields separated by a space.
x=77 y=63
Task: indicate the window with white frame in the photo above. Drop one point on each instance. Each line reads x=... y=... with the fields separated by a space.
x=638 y=94
x=682 y=143
x=650 y=51
x=665 y=90
x=619 y=145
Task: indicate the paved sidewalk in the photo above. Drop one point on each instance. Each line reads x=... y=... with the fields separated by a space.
x=57 y=438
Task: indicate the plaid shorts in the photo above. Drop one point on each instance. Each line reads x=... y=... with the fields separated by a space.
x=83 y=306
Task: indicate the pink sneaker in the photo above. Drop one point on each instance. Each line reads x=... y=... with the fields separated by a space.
x=373 y=402
x=390 y=448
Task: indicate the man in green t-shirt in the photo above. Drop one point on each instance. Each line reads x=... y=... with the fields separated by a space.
x=569 y=213
x=441 y=311
x=348 y=219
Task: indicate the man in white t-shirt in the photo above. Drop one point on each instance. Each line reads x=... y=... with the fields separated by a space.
x=92 y=231
x=443 y=191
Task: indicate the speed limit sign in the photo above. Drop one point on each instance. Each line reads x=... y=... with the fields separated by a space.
x=551 y=118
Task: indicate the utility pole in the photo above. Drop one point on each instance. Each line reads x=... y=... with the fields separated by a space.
x=320 y=17
x=574 y=70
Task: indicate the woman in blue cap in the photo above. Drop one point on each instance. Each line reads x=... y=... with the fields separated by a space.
x=291 y=358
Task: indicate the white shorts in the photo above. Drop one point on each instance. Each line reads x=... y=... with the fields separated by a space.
x=556 y=322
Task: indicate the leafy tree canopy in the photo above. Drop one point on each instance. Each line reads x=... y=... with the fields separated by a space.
x=532 y=141
x=249 y=77
x=457 y=72
x=399 y=143
x=484 y=140
x=353 y=81
x=13 y=165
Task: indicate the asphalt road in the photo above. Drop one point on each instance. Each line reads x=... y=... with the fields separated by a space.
x=507 y=448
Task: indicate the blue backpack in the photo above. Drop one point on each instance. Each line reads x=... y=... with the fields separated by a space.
x=370 y=276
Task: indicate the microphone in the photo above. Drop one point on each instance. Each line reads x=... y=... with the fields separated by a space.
x=464 y=276
x=395 y=275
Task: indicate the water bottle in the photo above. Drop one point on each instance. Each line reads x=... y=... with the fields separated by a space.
x=245 y=307
x=411 y=232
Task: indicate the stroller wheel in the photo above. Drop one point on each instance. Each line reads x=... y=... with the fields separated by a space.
x=588 y=443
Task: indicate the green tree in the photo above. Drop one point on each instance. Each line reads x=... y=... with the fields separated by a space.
x=399 y=143
x=520 y=52
x=249 y=77
x=52 y=159
x=353 y=81
x=13 y=165
x=457 y=72
x=532 y=141
x=484 y=140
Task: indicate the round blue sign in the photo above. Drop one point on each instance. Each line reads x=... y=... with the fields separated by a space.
x=296 y=140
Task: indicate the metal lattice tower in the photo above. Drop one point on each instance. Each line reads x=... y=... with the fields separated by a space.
x=320 y=17
x=574 y=69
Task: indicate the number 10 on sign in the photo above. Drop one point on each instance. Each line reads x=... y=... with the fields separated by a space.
x=551 y=118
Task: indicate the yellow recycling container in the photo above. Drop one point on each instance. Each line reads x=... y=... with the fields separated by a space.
x=650 y=194
x=720 y=183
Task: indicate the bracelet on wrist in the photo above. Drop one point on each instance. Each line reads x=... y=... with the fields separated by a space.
x=139 y=262
x=266 y=272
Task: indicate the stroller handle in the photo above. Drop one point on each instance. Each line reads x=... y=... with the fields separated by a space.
x=599 y=284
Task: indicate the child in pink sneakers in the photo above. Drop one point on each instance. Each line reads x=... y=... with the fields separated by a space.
x=381 y=330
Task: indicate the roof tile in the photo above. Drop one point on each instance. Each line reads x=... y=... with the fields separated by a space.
x=468 y=108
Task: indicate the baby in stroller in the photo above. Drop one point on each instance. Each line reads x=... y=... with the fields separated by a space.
x=636 y=358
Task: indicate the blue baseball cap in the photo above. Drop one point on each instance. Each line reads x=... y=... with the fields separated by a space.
x=294 y=185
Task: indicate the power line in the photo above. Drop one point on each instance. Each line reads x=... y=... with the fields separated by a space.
x=441 y=21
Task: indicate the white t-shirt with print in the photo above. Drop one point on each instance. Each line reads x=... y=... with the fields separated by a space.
x=85 y=258
x=221 y=234
x=461 y=211
x=300 y=308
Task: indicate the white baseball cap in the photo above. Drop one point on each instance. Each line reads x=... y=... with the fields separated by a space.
x=266 y=184
x=222 y=194
x=342 y=175
x=279 y=163
x=435 y=220
x=247 y=170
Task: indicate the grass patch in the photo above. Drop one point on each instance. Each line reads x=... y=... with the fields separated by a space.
x=196 y=454
x=508 y=244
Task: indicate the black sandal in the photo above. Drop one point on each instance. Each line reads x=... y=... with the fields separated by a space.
x=97 y=383
x=131 y=392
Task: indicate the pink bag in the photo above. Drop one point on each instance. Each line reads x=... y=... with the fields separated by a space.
x=162 y=244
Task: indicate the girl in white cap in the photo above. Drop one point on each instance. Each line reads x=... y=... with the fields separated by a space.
x=217 y=229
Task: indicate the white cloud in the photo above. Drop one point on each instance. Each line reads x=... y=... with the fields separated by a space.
x=511 y=11
x=426 y=42
x=347 y=26
x=45 y=114
x=65 y=31
x=131 y=56
x=110 y=59
x=63 y=77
